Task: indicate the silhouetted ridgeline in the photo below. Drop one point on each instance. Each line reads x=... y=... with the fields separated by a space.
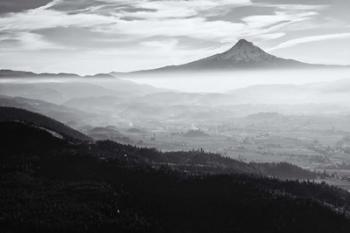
x=26 y=74
x=15 y=114
x=194 y=162
x=49 y=184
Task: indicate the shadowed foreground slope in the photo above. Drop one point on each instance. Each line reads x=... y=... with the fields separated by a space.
x=20 y=115
x=48 y=184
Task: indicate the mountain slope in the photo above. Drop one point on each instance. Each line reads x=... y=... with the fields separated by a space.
x=8 y=114
x=68 y=116
x=243 y=55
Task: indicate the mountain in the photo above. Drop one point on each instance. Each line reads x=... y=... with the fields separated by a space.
x=62 y=91
x=243 y=55
x=58 y=129
x=61 y=113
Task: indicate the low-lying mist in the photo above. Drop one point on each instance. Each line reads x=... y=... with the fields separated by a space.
x=302 y=117
x=227 y=81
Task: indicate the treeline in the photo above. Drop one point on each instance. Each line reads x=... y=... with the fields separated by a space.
x=285 y=171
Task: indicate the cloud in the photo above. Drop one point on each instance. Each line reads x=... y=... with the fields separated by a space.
x=261 y=21
x=335 y=9
x=7 y=6
x=26 y=41
x=310 y=39
x=197 y=27
x=181 y=8
x=145 y=8
x=150 y=18
x=167 y=45
x=155 y=28
x=298 y=7
x=298 y=2
x=42 y=18
x=272 y=36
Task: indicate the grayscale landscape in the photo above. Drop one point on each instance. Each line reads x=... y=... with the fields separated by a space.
x=174 y=116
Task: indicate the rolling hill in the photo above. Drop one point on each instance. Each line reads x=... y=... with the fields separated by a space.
x=7 y=73
x=202 y=161
x=8 y=114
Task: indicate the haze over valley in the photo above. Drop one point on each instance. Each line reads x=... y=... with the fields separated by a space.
x=270 y=117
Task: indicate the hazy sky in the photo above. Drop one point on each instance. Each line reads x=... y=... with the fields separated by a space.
x=91 y=36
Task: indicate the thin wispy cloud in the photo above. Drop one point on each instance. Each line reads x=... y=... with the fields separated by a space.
x=309 y=39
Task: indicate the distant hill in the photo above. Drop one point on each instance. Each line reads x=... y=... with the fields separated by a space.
x=8 y=114
x=68 y=116
x=26 y=74
x=6 y=73
x=195 y=133
x=108 y=133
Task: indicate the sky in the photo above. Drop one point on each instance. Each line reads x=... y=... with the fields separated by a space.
x=99 y=36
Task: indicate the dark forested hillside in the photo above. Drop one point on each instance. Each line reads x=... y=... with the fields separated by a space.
x=16 y=114
x=48 y=184
x=284 y=171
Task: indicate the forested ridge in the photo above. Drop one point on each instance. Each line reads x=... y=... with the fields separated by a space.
x=50 y=184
